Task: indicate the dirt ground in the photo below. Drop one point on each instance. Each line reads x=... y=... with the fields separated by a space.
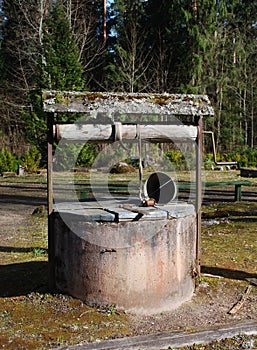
x=23 y=275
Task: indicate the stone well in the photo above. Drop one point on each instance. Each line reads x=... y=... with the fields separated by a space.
x=143 y=259
x=144 y=266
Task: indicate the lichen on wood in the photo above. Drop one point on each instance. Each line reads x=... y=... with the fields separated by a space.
x=126 y=103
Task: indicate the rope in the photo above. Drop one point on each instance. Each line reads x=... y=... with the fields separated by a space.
x=118 y=134
x=140 y=167
x=117 y=131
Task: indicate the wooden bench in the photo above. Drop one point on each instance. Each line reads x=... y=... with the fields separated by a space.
x=83 y=192
x=238 y=186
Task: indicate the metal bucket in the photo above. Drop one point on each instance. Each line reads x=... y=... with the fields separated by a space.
x=161 y=187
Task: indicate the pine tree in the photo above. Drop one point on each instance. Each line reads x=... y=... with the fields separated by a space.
x=85 y=18
x=62 y=69
x=234 y=50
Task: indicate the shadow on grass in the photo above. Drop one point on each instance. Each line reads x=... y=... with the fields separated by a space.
x=23 y=250
x=250 y=219
x=26 y=186
x=23 y=278
x=22 y=199
x=227 y=273
x=223 y=195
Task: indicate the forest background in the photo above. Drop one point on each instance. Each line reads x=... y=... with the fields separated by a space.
x=173 y=46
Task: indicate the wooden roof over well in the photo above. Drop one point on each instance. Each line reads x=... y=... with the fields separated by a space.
x=115 y=104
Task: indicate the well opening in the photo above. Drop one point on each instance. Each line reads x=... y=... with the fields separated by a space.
x=138 y=246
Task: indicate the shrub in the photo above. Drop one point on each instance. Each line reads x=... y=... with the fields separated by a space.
x=69 y=155
x=87 y=155
x=244 y=156
x=8 y=162
x=30 y=160
x=208 y=161
x=174 y=156
x=181 y=161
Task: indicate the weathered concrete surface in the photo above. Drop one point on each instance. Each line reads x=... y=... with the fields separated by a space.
x=141 y=266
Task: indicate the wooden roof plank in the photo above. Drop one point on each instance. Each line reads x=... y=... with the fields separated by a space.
x=126 y=103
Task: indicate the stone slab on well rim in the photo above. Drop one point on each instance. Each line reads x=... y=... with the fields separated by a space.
x=112 y=211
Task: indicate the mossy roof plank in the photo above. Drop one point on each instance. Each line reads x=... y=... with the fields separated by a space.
x=122 y=103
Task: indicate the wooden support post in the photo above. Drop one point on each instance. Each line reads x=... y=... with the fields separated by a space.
x=199 y=194
x=51 y=268
x=50 y=118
